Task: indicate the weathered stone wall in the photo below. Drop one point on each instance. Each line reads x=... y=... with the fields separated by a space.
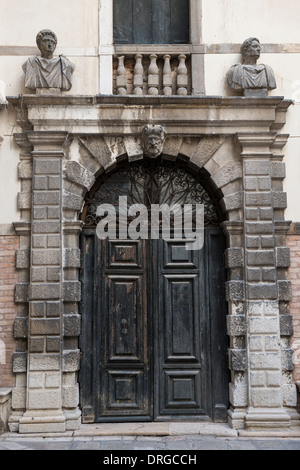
x=8 y=278
x=293 y=242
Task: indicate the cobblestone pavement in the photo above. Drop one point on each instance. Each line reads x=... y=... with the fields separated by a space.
x=147 y=444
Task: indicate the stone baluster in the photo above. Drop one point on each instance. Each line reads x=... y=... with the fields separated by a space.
x=121 y=76
x=182 y=77
x=153 y=78
x=138 y=75
x=167 y=76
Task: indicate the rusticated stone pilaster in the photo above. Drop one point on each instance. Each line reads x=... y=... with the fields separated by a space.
x=45 y=294
x=262 y=286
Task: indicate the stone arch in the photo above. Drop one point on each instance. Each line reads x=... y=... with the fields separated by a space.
x=217 y=155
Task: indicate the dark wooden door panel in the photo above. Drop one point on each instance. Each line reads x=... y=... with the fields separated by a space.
x=181 y=313
x=125 y=313
x=153 y=341
x=180 y=331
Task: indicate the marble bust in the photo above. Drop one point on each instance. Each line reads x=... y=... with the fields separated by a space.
x=153 y=138
x=46 y=71
x=249 y=77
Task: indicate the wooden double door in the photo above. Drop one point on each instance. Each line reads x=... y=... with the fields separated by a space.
x=153 y=342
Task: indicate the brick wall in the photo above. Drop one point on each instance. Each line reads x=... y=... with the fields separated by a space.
x=293 y=241
x=8 y=279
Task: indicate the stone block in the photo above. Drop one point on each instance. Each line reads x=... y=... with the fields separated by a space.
x=40 y=362
x=265 y=397
x=37 y=309
x=25 y=169
x=172 y=146
x=47 y=167
x=45 y=291
x=264 y=183
x=43 y=399
x=286 y=325
x=71 y=258
x=278 y=170
x=45 y=227
x=46 y=198
x=46 y=257
x=53 y=212
x=260 y=257
x=287 y=359
x=233 y=201
x=40 y=183
x=22 y=259
x=238 y=394
x=262 y=325
x=53 y=241
x=284 y=290
x=265 y=213
x=289 y=393
x=24 y=200
x=252 y=213
x=250 y=183
x=36 y=345
x=226 y=174
x=257 y=379
x=234 y=257
x=71 y=360
x=235 y=290
x=273 y=378
x=267 y=241
x=256 y=342
x=259 y=228
x=53 y=274
x=258 y=199
x=262 y=291
x=70 y=397
x=236 y=325
x=71 y=291
x=39 y=241
x=72 y=201
x=42 y=327
x=272 y=342
x=36 y=380
x=252 y=242
x=71 y=325
x=22 y=292
x=257 y=167
x=237 y=359
x=39 y=213
x=253 y=274
x=75 y=172
x=279 y=200
x=18 y=398
x=53 y=344
x=269 y=274
x=52 y=379
x=54 y=182
x=19 y=362
x=20 y=328
x=265 y=361
x=53 y=309
x=282 y=257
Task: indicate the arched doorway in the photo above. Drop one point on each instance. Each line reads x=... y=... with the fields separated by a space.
x=153 y=342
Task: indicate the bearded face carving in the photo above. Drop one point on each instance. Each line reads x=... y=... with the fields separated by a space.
x=153 y=138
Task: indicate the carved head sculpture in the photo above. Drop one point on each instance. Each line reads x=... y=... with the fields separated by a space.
x=250 y=49
x=46 y=41
x=153 y=138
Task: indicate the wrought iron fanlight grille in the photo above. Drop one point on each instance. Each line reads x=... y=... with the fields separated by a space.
x=152 y=182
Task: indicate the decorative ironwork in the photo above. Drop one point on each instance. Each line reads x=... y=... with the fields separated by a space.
x=152 y=182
